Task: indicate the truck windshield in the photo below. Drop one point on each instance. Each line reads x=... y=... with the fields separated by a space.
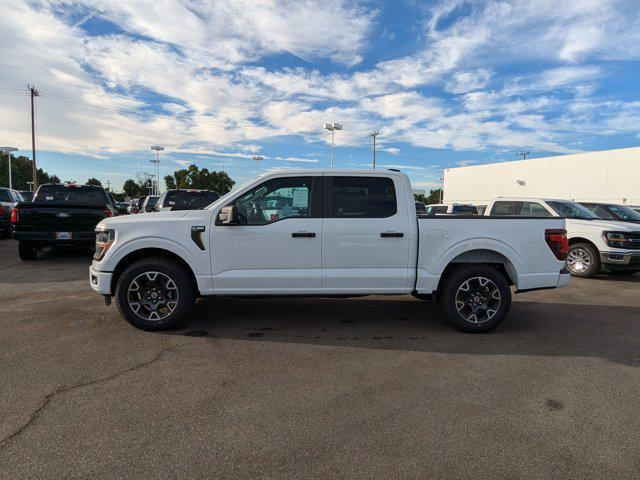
x=85 y=195
x=625 y=213
x=571 y=210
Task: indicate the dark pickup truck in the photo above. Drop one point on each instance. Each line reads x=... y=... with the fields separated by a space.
x=59 y=215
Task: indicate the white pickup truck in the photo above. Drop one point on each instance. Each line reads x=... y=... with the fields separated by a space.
x=324 y=233
x=594 y=244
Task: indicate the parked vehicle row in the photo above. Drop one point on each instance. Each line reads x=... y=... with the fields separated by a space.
x=324 y=233
x=595 y=244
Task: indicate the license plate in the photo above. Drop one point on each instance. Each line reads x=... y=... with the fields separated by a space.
x=63 y=235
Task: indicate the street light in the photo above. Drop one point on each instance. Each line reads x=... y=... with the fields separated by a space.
x=441 y=179
x=157 y=148
x=8 y=151
x=374 y=135
x=332 y=127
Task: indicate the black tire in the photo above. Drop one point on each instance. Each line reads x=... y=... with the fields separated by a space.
x=590 y=255
x=184 y=293
x=492 y=308
x=26 y=251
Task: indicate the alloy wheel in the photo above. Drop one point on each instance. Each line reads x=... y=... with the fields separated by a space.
x=579 y=260
x=478 y=300
x=152 y=296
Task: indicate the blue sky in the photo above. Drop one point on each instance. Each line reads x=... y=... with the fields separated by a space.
x=216 y=82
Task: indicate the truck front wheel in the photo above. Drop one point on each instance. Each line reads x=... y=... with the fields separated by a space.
x=155 y=293
x=476 y=298
x=583 y=260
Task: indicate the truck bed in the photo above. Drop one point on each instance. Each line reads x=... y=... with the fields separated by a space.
x=517 y=242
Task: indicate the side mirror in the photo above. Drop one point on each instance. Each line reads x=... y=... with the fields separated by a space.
x=229 y=215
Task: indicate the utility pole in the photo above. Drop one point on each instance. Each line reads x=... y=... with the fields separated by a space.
x=34 y=93
x=523 y=154
x=374 y=134
x=108 y=185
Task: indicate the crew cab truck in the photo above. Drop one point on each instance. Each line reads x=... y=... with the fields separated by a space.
x=595 y=245
x=60 y=215
x=324 y=233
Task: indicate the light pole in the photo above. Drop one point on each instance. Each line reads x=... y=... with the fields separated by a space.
x=332 y=127
x=373 y=135
x=158 y=149
x=8 y=151
x=441 y=179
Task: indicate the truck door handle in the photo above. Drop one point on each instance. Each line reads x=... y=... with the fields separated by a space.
x=392 y=234
x=303 y=234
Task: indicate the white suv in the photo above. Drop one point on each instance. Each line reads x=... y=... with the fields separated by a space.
x=594 y=244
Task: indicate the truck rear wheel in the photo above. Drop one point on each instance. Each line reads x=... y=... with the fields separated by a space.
x=476 y=298
x=583 y=260
x=155 y=294
x=26 y=251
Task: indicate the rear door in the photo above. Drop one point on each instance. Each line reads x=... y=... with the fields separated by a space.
x=365 y=235
x=277 y=247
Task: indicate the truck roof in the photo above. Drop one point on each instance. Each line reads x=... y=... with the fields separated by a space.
x=327 y=170
x=528 y=199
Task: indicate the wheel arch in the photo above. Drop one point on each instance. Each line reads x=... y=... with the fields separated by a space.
x=139 y=254
x=481 y=256
x=574 y=240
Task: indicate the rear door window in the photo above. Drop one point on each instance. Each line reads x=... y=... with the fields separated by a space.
x=504 y=208
x=533 y=209
x=361 y=197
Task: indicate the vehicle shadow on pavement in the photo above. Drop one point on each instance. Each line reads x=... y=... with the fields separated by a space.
x=532 y=328
x=60 y=265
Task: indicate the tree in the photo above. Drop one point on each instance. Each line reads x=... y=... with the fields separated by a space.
x=203 y=179
x=21 y=172
x=419 y=197
x=94 y=181
x=434 y=196
x=130 y=188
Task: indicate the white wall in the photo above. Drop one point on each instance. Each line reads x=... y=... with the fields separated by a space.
x=610 y=175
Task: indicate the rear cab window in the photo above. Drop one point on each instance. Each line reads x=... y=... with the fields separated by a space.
x=436 y=210
x=188 y=200
x=80 y=194
x=360 y=197
x=465 y=209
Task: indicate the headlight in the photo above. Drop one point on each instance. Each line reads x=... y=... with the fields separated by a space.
x=104 y=240
x=616 y=239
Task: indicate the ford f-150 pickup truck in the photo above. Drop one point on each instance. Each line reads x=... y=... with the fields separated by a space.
x=59 y=215
x=324 y=233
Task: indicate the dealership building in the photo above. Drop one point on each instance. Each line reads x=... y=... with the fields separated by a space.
x=605 y=176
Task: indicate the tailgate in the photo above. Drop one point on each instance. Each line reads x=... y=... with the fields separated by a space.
x=59 y=218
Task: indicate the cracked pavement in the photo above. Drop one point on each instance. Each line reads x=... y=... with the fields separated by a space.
x=375 y=387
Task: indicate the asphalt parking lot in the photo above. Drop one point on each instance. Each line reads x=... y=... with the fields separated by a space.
x=374 y=387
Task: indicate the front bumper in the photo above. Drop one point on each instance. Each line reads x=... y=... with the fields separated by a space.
x=624 y=258
x=100 y=281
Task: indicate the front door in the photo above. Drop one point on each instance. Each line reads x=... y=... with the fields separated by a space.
x=365 y=236
x=276 y=248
